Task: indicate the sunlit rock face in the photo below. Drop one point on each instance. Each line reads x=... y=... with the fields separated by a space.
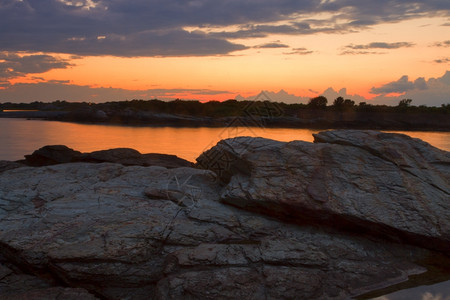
x=111 y=231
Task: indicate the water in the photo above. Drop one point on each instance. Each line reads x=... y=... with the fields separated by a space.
x=20 y=136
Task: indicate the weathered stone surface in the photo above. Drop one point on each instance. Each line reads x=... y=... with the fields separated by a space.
x=331 y=210
x=58 y=154
x=385 y=184
x=15 y=285
x=9 y=165
x=150 y=232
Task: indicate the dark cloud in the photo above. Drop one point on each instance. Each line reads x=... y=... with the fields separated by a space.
x=400 y=86
x=359 y=52
x=353 y=49
x=13 y=65
x=299 y=51
x=276 y=44
x=160 y=27
x=444 y=60
x=380 y=45
x=442 y=44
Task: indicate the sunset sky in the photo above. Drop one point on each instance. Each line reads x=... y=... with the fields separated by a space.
x=110 y=50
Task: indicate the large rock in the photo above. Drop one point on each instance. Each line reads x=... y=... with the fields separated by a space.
x=59 y=154
x=52 y=155
x=387 y=185
x=153 y=233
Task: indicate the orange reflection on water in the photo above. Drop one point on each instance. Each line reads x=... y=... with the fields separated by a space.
x=19 y=137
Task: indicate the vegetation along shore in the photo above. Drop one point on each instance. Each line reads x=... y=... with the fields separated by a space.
x=341 y=113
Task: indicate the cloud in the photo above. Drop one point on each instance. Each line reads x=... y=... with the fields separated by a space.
x=442 y=44
x=444 y=60
x=61 y=90
x=431 y=92
x=400 y=86
x=353 y=49
x=161 y=28
x=13 y=65
x=280 y=96
x=276 y=44
x=299 y=51
x=381 y=45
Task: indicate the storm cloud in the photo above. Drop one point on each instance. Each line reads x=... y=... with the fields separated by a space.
x=162 y=28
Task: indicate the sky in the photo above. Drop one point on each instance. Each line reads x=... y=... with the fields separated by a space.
x=110 y=50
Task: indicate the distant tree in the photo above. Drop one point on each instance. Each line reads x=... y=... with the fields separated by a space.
x=348 y=103
x=339 y=101
x=318 y=102
x=404 y=103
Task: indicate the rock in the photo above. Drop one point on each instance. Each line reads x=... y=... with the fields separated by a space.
x=383 y=184
x=14 y=285
x=51 y=155
x=131 y=157
x=155 y=233
x=58 y=154
x=9 y=165
x=125 y=156
x=352 y=213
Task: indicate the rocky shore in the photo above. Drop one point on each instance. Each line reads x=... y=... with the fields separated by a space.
x=355 y=212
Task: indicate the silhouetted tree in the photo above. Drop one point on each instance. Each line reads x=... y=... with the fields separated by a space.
x=404 y=103
x=339 y=101
x=318 y=102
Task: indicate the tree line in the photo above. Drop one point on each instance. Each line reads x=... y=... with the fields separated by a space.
x=228 y=108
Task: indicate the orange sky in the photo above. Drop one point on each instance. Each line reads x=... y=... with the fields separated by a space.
x=302 y=64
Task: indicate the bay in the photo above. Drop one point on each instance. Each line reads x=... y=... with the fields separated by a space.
x=19 y=137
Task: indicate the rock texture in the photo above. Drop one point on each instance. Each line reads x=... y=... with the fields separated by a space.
x=131 y=232
x=385 y=184
x=58 y=154
x=9 y=165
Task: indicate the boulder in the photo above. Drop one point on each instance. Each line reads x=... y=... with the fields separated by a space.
x=131 y=157
x=59 y=154
x=368 y=182
x=132 y=232
x=51 y=155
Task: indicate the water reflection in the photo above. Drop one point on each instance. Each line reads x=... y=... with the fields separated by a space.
x=19 y=137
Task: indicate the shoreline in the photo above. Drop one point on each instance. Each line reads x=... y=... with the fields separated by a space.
x=321 y=121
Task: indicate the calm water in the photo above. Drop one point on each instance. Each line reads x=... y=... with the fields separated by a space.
x=20 y=136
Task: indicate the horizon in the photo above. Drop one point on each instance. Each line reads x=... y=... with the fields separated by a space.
x=98 y=50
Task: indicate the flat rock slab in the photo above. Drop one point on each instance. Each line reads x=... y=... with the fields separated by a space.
x=135 y=232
